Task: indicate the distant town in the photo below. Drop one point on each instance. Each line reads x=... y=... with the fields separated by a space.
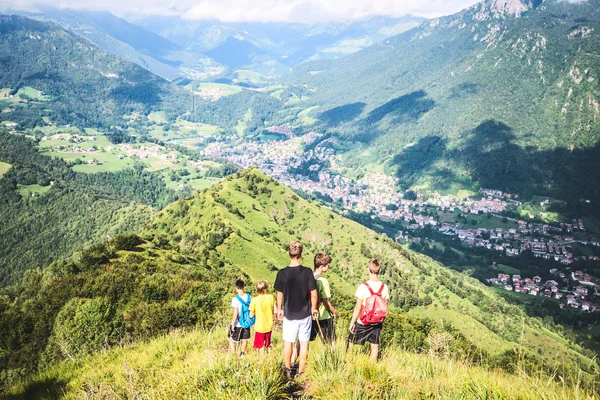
x=377 y=195
x=572 y=288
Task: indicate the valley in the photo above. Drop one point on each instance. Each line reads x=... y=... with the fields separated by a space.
x=137 y=181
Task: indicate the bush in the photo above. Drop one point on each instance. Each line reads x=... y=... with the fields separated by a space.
x=84 y=326
x=128 y=241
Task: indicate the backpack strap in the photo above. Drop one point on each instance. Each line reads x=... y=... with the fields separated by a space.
x=369 y=287
x=380 y=291
x=244 y=302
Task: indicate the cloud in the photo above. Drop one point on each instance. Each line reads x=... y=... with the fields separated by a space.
x=267 y=10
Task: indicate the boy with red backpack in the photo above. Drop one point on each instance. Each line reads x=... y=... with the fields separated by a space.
x=370 y=310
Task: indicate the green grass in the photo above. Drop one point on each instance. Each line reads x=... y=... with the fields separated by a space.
x=4 y=167
x=32 y=190
x=277 y=94
x=34 y=94
x=480 y=221
x=219 y=88
x=463 y=194
x=508 y=269
x=304 y=118
x=241 y=125
x=194 y=183
x=157 y=116
x=248 y=76
x=109 y=162
x=195 y=364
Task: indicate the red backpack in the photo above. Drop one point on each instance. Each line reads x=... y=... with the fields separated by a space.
x=375 y=308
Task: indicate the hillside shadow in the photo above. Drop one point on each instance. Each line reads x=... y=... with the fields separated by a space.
x=44 y=389
x=339 y=115
x=463 y=90
x=413 y=161
x=43 y=76
x=493 y=158
x=496 y=161
x=406 y=108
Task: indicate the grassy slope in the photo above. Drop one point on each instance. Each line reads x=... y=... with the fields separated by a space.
x=194 y=365
x=4 y=167
x=263 y=224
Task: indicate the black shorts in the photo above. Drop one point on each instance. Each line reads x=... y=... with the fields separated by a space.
x=366 y=333
x=238 y=334
x=327 y=328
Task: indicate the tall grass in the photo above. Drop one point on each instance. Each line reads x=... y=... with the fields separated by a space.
x=195 y=365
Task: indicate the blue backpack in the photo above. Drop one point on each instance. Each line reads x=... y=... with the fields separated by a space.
x=244 y=317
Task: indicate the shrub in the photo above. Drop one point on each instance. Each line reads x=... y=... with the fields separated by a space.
x=128 y=241
x=85 y=325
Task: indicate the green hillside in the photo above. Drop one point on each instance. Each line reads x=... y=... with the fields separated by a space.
x=494 y=97
x=85 y=85
x=47 y=211
x=191 y=365
x=256 y=218
x=178 y=272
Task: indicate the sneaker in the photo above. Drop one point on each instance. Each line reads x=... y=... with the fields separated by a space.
x=288 y=373
x=298 y=375
x=242 y=354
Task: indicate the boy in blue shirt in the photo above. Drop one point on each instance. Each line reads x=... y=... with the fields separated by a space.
x=236 y=333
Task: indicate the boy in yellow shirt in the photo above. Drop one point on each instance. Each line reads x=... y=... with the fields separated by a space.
x=263 y=308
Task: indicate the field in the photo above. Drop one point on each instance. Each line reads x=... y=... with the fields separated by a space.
x=183 y=130
x=32 y=190
x=195 y=364
x=508 y=269
x=218 y=90
x=194 y=183
x=241 y=125
x=478 y=221
x=4 y=167
x=23 y=94
x=305 y=118
x=247 y=76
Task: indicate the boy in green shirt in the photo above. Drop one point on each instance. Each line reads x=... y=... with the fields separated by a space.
x=326 y=310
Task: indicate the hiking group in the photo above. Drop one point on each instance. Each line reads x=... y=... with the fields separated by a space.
x=304 y=307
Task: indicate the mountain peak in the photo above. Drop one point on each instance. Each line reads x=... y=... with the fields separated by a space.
x=512 y=7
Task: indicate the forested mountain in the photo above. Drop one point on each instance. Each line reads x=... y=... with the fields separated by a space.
x=125 y=40
x=87 y=86
x=273 y=47
x=176 y=272
x=63 y=210
x=504 y=94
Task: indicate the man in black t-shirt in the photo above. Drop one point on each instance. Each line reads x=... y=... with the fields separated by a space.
x=297 y=292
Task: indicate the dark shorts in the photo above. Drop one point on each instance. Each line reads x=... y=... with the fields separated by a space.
x=366 y=333
x=327 y=328
x=238 y=334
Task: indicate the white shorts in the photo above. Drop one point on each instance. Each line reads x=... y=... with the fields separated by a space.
x=296 y=328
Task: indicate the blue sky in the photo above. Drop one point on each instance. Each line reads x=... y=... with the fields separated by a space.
x=267 y=10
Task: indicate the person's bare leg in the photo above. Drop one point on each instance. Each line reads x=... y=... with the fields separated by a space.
x=303 y=356
x=244 y=346
x=295 y=352
x=374 y=352
x=287 y=353
x=231 y=346
x=262 y=351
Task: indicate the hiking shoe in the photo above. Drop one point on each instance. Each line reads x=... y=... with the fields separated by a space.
x=242 y=354
x=298 y=375
x=288 y=373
